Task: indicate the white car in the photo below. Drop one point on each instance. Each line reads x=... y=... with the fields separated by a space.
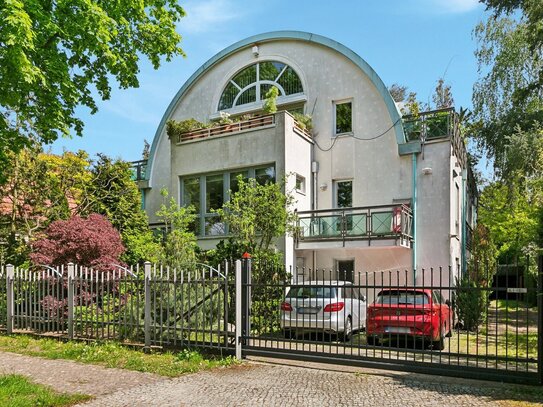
x=332 y=307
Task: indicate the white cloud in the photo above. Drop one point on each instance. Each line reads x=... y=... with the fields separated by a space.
x=204 y=16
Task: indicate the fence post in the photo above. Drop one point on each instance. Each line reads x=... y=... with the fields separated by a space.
x=540 y=318
x=147 y=321
x=10 y=273
x=238 y=309
x=71 y=275
x=246 y=295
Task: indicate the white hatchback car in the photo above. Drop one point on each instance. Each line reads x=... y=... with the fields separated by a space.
x=332 y=307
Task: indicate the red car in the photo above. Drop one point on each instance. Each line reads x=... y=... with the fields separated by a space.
x=409 y=312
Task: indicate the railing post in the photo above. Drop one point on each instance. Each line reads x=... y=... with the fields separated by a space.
x=246 y=296
x=10 y=273
x=540 y=318
x=71 y=274
x=238 y=310
x=147 y=321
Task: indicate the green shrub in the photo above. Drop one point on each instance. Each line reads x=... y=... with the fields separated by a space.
x=471 y=303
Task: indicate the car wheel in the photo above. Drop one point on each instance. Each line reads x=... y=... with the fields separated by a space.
x=372 y=340
x=440 y=343
x=347 y=332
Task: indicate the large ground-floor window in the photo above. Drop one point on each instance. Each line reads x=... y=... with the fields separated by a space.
x=208 y=192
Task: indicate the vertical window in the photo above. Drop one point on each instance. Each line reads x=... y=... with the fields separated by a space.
x=191 y=196
x=457 y=211
x=265 y=175
x=214 y=192
x=344 y=194
x=344 y=117
x=345 y=270
x=300 y=184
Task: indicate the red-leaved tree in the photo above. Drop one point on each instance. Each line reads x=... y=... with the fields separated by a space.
x=90 y=242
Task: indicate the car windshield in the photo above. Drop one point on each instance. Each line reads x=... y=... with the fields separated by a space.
x=402 y=297
x=304 y=291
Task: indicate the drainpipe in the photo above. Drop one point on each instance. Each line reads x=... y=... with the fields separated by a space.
x=463 y=249
x=414 y=194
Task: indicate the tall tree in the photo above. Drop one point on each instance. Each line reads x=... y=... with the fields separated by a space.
x=56 y=55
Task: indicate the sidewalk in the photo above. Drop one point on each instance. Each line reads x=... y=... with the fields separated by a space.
x=261 y=383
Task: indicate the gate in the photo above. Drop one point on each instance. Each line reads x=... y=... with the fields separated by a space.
x=440 y=325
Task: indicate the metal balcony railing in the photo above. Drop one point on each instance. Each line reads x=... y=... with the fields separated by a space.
x=360 y=223
x=139 y=170
x=431 y=125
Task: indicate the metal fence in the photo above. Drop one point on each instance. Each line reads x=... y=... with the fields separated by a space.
x=154 y=306
x=439 y=325
x=468 y=327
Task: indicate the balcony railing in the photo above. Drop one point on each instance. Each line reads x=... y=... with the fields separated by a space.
x=139 y=170
x=362 y=223
x=430 y=125
x=235 y=127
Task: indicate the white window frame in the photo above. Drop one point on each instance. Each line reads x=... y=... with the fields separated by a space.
x=334 y=128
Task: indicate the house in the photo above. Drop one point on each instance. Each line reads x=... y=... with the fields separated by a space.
x=375 y=191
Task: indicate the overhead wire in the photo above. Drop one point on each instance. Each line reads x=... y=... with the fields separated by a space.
x=357 y=138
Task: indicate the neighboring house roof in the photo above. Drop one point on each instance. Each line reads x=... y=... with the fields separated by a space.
x=395 y=115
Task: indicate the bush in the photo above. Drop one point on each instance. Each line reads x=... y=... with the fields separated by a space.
x=471 y=303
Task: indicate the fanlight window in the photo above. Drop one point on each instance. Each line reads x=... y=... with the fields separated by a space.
x=252 y=83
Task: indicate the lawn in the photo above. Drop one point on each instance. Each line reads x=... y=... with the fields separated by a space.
x=110 y=354
x=18 y=391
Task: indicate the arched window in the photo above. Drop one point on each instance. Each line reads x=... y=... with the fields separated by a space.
x=252 y=82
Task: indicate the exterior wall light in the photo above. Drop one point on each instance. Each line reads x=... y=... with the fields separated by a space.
x=256 y=52
x=323 y=186
x=427 y=171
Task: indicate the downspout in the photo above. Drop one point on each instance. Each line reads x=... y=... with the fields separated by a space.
x=463 y=249
x=414 y=194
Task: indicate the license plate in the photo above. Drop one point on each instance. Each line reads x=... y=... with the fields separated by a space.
x=308 y=310
x=397 y=330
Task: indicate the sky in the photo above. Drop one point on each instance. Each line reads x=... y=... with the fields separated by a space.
x=409 y=42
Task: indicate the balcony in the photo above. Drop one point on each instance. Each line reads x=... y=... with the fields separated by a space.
x=431 y=125
x=382 y=225
x=138 y=169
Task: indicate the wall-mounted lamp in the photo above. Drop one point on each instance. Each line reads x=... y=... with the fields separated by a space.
x=256 y=52
x=323 y=186
x=427 y=171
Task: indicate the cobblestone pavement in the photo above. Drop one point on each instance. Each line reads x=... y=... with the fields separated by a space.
x=262 y=384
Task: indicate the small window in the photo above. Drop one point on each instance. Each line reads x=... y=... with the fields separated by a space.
x=344 y=117
x=345 y=270
x=300 y=184
x=265 y=175
x=344 y=194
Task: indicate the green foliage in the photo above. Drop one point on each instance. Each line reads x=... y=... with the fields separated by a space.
x=180 y=245
x=256 y=214
x=471 y=302
x=59 y=55
x=226 y=250
x=305 y=121
x=175 y=128
x=270 y=101
x=19 y=391
x=482 y=262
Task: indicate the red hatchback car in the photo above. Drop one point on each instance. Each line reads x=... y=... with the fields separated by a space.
x=409 y=312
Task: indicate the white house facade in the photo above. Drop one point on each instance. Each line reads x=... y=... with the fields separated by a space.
x=374 y=191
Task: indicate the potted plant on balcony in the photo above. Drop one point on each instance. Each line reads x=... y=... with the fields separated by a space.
x=183 y=129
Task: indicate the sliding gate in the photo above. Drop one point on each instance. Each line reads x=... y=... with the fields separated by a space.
x=465 y=328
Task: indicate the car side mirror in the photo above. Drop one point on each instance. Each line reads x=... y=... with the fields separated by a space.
x=448 y=302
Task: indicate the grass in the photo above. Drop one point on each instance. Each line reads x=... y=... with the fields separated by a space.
x=110 y=354
x=18 y=391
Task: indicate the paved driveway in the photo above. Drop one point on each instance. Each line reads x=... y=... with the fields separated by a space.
x=264 y=384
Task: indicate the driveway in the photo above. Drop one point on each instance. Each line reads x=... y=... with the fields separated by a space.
x=260 y=382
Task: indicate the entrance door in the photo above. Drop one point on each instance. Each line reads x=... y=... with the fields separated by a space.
x=345 y=270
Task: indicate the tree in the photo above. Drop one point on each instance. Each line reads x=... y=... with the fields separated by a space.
x=256 y=214
x=91 y=242
x=531 y=12
x=180 y=243
x=398 y=92
x=57 y=55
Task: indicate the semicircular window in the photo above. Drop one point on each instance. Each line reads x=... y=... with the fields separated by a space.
x=252 y=82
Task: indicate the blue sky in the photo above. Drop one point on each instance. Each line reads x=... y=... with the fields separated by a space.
x=410 y=42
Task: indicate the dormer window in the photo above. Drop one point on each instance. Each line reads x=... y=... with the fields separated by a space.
x=251 y=84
